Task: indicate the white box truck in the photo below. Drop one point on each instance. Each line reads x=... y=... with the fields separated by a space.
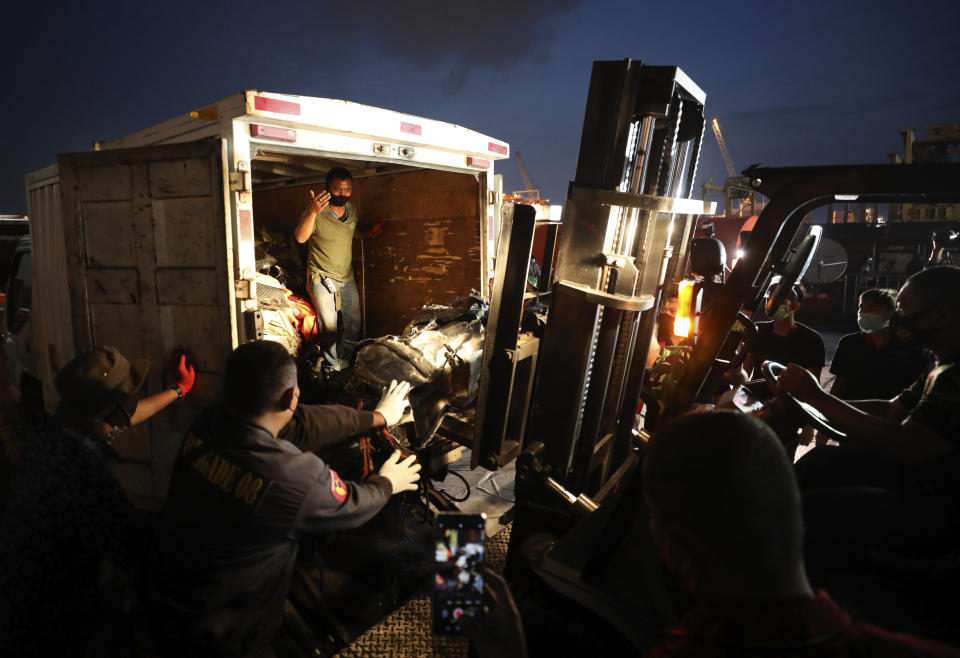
x=147 y=243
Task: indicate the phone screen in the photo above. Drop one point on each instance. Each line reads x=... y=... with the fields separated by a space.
x=460 y=545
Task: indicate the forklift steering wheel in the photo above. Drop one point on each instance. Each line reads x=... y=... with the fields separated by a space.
x=771 y=372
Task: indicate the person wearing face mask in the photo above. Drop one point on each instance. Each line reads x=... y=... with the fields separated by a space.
x=784 y=340
x=329 y=223
x=894 y=483
x=873 y=364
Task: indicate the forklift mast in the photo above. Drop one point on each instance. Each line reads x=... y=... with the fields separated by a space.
x=626 y=226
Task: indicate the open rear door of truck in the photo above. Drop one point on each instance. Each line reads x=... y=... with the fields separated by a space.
x=150 y=268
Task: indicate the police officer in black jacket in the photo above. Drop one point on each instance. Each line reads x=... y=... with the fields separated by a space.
x=242 y=494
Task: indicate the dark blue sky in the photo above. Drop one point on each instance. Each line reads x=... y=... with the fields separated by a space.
x=793 y=84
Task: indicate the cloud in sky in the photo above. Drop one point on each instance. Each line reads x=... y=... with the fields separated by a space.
x=439 y=34
x=842 y=106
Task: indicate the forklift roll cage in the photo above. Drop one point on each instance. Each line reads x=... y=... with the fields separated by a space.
x=794 y=192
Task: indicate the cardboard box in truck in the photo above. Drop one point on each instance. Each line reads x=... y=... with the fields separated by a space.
x=147 y=243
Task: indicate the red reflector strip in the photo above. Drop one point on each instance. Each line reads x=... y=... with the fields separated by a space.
x=477 y=162
x=275 y=105
x=497 y=148
x=245 y=226
x=411 y=128
x=272 y=132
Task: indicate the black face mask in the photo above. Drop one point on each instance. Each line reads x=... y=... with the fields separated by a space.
x=906 y=330
x=338 y=200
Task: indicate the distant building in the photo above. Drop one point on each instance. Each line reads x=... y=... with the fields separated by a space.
x=936 y=144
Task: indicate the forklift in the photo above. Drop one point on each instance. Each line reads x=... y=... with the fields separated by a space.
x=581 y=561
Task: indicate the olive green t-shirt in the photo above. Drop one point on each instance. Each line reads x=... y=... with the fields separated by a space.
x=330 y=248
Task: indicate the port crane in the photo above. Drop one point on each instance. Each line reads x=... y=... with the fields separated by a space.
x=740 y=198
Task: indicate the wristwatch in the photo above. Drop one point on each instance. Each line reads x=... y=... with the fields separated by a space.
x=176 y=387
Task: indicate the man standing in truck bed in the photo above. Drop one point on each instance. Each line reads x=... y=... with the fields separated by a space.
x=329 y=223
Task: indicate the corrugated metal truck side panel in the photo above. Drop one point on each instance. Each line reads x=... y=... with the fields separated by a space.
x=50 y=317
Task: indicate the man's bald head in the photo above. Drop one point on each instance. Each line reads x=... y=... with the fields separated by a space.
x=724 y=479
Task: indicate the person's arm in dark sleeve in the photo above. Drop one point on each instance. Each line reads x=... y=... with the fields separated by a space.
x=908 y=441
x=335 y=504
x=316 y=426
x=938 y=408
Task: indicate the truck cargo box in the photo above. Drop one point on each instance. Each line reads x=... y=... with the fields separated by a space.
x=147 y=243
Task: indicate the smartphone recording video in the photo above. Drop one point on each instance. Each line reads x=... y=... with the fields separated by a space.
x=458 y=571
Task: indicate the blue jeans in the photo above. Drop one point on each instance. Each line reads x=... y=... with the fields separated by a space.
x=332 y=341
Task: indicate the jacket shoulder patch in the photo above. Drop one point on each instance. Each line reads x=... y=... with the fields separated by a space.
x=337 y=487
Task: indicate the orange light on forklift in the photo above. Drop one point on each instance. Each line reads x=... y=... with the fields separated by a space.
x=683 y=321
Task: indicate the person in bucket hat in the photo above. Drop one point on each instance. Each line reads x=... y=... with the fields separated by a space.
x=66 y=513
x=100 y=392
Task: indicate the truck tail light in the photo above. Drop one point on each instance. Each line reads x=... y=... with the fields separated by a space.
x=684 y=320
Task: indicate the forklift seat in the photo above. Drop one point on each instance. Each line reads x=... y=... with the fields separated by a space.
x=708 y=257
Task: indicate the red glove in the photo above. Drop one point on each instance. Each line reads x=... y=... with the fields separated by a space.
x=185 y=375
x=376 y=230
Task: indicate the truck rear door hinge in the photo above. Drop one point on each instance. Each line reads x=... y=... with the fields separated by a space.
x=245 y=288
x=240 y=181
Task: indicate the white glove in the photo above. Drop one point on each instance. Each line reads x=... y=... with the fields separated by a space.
x=403 y=475
x=393 y=403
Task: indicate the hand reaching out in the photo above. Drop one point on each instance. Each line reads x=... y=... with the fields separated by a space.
x=403 y=475
x=185 y=375
x=799 y=382
x=320 y=201
x=394 y=402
